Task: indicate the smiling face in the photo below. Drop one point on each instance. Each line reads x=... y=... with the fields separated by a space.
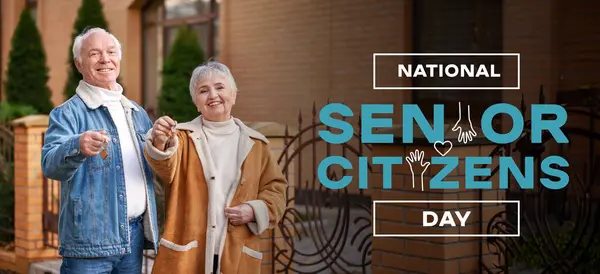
x=214 y=98
x=100 y=64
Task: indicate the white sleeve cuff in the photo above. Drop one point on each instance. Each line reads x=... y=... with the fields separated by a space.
x=155 y=153
x=261 y=216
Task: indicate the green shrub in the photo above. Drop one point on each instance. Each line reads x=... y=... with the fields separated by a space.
x=9 y=112
x=186 y=54
x=530 y=257
x=27 y=74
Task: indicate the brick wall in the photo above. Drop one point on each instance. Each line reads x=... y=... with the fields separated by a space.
x=578 y=44
x=556 y=40
x=530 y=29
x=579 y=68
x=287 y=54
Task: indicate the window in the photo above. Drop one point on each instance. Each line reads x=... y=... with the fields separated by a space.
x=160 y=21
x=453 y=26
x=200 y=15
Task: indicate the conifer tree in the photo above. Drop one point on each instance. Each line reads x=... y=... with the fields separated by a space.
x=186 y=54
x=89 y=15
x=27 y=75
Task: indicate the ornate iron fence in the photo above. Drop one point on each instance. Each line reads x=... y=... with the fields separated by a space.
x=6 y=187
x=322 y=230
x=559 y=228
x=6 y=143
x=50 y=204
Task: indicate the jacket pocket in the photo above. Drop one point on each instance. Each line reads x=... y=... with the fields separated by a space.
x=251 y=258
x=252 y=253
x=97 y=164
x=173 y=257
x=176 y=247
x=77 y=213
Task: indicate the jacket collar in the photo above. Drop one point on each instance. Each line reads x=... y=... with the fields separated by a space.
x=196 y=128
x=92 y=100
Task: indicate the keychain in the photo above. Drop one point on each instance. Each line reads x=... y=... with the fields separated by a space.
x=173 y=130
x=104 y=151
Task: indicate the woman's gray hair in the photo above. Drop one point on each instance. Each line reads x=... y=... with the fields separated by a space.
x=85 y=34
x=206 y=71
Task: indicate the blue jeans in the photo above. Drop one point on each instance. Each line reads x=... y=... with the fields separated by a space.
x=125 y=264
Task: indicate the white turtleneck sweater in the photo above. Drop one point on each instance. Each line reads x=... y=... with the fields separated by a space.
x=134 y=179
x=222 y=139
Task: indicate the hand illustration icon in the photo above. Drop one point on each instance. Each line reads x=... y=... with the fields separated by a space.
x=415 y=160
x=468 y=134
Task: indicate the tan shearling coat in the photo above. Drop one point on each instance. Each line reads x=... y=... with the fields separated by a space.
x=186 y=245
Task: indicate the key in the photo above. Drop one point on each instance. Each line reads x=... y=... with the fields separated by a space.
x=104 y=151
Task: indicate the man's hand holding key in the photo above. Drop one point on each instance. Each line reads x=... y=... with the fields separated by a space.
x=92 y=142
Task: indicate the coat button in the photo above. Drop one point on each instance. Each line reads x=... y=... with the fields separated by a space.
x=212 y=177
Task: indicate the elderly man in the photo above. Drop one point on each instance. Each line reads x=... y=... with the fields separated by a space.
x=94 y=147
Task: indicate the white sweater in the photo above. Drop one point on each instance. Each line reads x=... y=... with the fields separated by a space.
x=222 y=139
x=134 y=179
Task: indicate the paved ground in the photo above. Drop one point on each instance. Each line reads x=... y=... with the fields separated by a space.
x=46 y=267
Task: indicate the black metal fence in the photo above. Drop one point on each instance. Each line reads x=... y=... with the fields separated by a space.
x=50 y=204
x=6 y=143
x=6 y=187
x=323 y=230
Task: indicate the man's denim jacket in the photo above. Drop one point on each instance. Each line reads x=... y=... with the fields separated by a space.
x=93 y=210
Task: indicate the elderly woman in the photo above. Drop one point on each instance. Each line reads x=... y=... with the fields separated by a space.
x=222 y=187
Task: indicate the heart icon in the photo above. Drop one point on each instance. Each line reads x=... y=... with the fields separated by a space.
x=435 y=146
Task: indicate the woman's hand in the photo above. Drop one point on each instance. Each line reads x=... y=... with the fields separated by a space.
x=162 y=131
x=240 y=215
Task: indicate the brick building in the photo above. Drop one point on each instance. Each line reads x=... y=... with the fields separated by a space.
x=295 y=52
x=287 y=55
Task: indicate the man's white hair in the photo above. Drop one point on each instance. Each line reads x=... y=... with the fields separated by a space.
x=206 y=71
x=85 y=34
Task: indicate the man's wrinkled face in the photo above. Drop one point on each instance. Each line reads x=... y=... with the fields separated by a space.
x=214 y=98
x=100 y=64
